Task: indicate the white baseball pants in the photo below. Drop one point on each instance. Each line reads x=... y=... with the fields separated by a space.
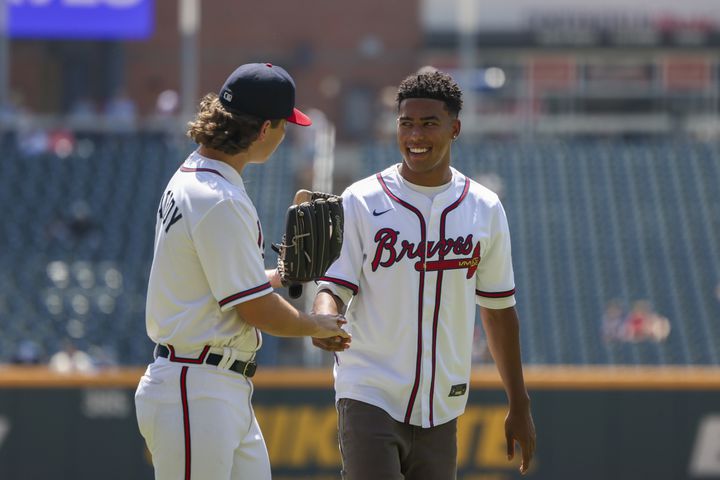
x=199 y=424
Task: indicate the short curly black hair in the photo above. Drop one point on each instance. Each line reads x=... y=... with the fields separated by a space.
x=432 y=84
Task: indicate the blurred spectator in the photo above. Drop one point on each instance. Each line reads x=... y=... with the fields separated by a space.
x=637 y=321
x=640 y=324
x=83 y=110
x=120 y=111
x=12 y=109
x=75 y=227
x=27 y=353
x=104 y=356
x=82 y=225
x=71 y=359
x=643 y=323
x=58 y=230
x=61 y=142
x=167 y=103
x=613 y=321
x=32 y=141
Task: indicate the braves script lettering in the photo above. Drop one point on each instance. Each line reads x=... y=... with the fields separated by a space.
x=387 y=252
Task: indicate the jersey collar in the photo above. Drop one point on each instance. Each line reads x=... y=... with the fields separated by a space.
x=396 y=182
x=197 y=161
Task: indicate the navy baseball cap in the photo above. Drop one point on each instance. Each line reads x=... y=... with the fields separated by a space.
x=264 y=90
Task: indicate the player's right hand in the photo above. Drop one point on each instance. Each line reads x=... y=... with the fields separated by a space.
x=330 y=336
x=332 y=344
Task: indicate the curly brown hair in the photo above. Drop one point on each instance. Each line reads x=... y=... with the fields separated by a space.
x=432 y=84
x=217 y=128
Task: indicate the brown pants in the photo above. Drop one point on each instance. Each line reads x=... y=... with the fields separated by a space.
x=374 y=446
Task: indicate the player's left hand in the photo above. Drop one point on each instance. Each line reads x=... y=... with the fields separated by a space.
x=332 y=344
x=274 y=278
x=519 y=427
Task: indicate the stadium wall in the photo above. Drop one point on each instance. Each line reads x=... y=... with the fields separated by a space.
x=593 y=423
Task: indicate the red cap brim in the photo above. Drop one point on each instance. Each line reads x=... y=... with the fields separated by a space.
x=299 y=118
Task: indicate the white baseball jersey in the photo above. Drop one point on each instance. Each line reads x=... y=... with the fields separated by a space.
x=417 y=267
x=208 y=258
x=197 y=418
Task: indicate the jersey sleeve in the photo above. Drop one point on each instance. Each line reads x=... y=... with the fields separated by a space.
x=226 y=241
x=494 y=279
x=345 y=271
x=343 y=293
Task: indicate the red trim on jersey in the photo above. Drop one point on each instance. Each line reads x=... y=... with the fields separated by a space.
x=438 y=295
x=244 y=293
x=200 y=359
x=436 y=316
x=186 y=419
x=418 y=361
x=191 y=170
x=342 y=283
x=508 y=293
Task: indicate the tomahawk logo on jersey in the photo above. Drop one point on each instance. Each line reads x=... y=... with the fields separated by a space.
x=451 y=252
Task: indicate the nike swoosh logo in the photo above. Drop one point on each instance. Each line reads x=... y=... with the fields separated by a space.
x=377 y=214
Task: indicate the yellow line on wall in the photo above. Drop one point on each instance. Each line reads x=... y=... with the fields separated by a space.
x=536 y=377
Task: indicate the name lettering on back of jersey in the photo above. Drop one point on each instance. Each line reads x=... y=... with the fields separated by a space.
x=260 y=240
x=168 y=213
x=387 y=252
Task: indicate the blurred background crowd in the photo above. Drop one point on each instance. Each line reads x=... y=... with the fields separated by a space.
x=597 y=122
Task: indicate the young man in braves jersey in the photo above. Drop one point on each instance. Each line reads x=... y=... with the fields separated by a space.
x=209 y=294
x=423 y=245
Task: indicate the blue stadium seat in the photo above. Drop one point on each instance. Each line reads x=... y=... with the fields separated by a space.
x=592 y=221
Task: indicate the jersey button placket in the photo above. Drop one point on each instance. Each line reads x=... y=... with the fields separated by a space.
x=433 y=227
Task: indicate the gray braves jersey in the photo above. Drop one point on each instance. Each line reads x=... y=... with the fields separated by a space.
x=417 y=268
x=208 y=258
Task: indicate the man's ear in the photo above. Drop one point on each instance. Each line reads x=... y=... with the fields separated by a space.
x=264 y=129
x=457 y=126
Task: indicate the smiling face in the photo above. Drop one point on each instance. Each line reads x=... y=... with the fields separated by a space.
x=425 y=131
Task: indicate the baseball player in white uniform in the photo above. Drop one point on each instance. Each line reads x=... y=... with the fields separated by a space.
x=209 y=295
x=423 y=245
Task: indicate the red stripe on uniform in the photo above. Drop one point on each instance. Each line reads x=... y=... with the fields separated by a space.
x=436 y=315
x=186 y=420
x=245 y=293
x=438 y=296
x=342 y=283
x=508 y=293
x=200 y=359
x=418 y=361
x=193 y=170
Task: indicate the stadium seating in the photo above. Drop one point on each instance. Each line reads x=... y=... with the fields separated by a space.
x=593 y=221
x=600 y=220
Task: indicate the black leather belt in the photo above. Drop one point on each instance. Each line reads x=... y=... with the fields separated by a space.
x=243 y=368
